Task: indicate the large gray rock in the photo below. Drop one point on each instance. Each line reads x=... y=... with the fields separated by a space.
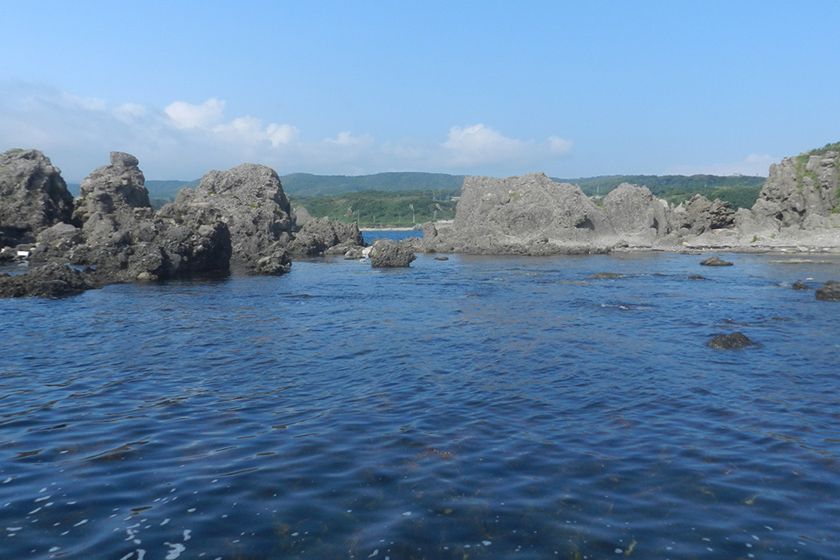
x=830 y=291
x=51 y=280
x=524 y=215
x=699 y=215
x=33 y=196
x=636 y=215
x=125 y=240
x=319 y=236
x=387 y=254
x=248 y=198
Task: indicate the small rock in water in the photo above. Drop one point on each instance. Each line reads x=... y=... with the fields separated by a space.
x=606 y=276
x=731 y=341
x=715 y=261
x=441 y=258
x=830 y=291
x=696 y=277
x=800 y=285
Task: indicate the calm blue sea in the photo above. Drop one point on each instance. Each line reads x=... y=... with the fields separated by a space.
x=469 y=408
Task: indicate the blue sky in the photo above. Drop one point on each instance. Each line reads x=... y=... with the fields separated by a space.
x=497 y=88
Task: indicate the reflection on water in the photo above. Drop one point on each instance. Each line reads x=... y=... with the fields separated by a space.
x=477 y=407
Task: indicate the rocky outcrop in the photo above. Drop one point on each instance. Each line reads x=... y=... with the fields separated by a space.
x=250 y=200
x=319 y=236
x=715 y=261
x=524 y=215
x=801 y=192
x=123 y=238
x=387 y=254
x=51 y=280
x=33 y=196
x=636 y=215
x=700 y=215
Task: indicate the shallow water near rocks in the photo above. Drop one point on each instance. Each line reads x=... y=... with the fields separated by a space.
x=475 y=407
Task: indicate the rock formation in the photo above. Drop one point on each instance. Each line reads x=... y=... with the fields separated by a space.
x=524 y=215
x=320 y=236
x=730 y=341
x=830 y=291
x=51 y=280
x=122 y=237
x=802 y=191
x=250 y=200
x=700 y=215
x=33 y=196
x=636 y=215
x=387 y=254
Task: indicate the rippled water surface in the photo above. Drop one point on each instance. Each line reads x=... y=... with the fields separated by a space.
x=469 y=408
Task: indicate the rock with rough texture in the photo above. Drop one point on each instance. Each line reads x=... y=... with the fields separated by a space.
x=33 y=196
x=51 y=280
x=125 y=240
x=802 y=191
x=830 y=291
x=319 y=236
x=699 y=215
x=730 y=341
x=636 y=215
x=112 y=198
x=524 y=215
x=799 y=285
x=715 y=261
x=248 y=198
x=387 y=254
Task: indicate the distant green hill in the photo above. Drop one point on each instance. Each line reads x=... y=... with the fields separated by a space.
x=739 y=190
x=306 y=184
x=380 y=208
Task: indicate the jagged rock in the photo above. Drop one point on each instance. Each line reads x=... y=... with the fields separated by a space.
x=524 y=215
x=387 y=254
x=731 y=341
x=51 y=280
x=125 y=240
x=799 y=285
x=319 y=236
x=276 y=262
x=802 y=191
x=830 y=291
x=33 y=196
x=248 y=198
x=699 y=215
x=301 y=216
x=354 y=253
x=636 y=214
x=715 y=261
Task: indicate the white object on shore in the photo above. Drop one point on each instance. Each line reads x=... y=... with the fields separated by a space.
x=23 y=254
x=366 y=252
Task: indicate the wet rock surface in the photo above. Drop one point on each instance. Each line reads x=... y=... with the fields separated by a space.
x=715 y=261
x=387 y=254
x=730 y=341
x=320 y=236
x=830 y=291
x=51 y=280
x=33 y=196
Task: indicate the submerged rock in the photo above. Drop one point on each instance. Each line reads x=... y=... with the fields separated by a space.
x=33 y=196
x=606 y=276
x=731 y=341
x=715 y=261
x=387 y=254
x=799 y=285
x=51 y=280
x=830 y=291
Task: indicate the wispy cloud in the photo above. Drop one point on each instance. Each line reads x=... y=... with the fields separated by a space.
x=184 y=139
x=753 y=164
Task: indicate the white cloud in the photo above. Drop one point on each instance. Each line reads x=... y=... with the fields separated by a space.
x=347 y=138
x=559 y=145
x=130 y=112
x=478 y=144
x=187 y=115
x=281 y=134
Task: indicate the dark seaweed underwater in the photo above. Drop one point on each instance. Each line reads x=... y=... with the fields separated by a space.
x=473 y=408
